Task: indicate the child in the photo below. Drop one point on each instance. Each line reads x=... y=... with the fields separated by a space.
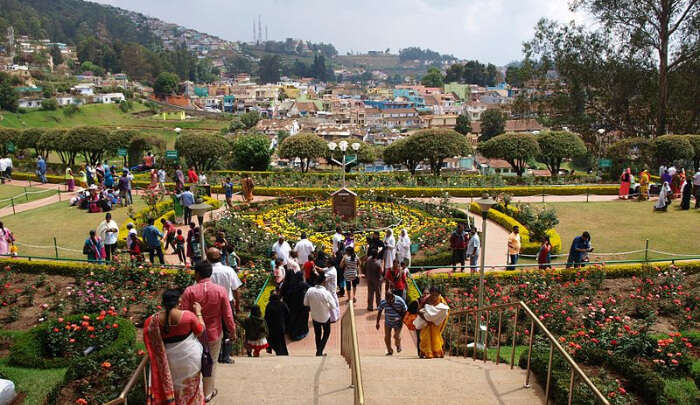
x=136 y=248
x=409 y=317
x=255 y=331
x=180 y=246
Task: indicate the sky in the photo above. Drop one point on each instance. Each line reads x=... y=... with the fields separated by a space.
x=487 y=30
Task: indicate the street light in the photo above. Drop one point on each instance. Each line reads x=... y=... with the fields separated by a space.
x=485 y=203
x=199 y=210
x=178 y=130
x=343 y=146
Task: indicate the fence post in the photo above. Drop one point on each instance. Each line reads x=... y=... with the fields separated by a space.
x=646 y=251
x=55 y=246
x=12 y=200
x=543 y=195
x=588 y=190
x=30 y=184
x=25 y=194
x=59 y=193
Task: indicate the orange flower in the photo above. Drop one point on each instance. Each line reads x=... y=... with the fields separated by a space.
x=106 y=365
x=81 y=401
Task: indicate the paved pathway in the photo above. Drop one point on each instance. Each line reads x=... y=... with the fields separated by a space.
x=54 y=198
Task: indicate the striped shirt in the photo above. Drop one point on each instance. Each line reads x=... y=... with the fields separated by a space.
x=350 y=271
x=393 y=313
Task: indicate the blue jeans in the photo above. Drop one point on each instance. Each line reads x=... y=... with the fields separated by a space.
x=513 y=262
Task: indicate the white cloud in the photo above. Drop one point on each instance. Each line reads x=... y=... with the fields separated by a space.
x=488 y=30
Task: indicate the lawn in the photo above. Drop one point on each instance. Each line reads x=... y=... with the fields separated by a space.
x=69 y=225
x=35 y=383
x=622 y=226
x=8 y=191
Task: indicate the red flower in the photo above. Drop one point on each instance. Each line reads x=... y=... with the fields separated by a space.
x=613 y=342
x=81 y=401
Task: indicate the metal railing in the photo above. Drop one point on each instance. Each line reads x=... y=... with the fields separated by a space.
x=481 y=338
x=142 y=369
x=350 y=350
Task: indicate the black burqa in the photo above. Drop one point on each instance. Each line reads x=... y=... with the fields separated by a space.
x=276 y=314
x=685 y=195
x=293 y=291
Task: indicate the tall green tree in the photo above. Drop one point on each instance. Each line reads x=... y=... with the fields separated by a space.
x=400 y=152
x=251 y=152
x=203 y=151
x=7 y=136
x=433 y=78
x=695 y=141
x=9 y=100
x=516 y=149
x=556 y=146
x=671 y=148
x=493 y=122
x=56 y=55
x=464 y=125
x=306 y=147
x=269 y=69
x=669 y=28
x=436 y=145
x=94 y=143
x=166 y=84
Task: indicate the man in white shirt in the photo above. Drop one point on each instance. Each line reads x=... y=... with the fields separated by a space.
x=473 y=249
x=226 y=277
x=336 y=240
x=303 y=248
x=108 y=230
x=8 y=168
x=3 y=167
x=282 y=249
x=321 y=303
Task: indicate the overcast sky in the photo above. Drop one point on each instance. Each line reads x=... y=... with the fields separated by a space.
x=488 y=30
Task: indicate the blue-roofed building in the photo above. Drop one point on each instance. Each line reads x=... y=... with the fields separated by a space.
x=229 y=104
x=411 y=96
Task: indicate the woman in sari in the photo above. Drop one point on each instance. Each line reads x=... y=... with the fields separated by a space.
x=154 y=180
x=676 y=184
x=664 y=198
x=70 y=181
x=685 y=194
x=625 y=181
x=644 y=180
x=293 y=291
x=6 y=240
x=435 y=312
x=175 y=353
x=247 y=187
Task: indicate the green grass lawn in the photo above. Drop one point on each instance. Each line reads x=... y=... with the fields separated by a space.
x=621 y=226
x=7 y=191
x=69 y=225
x=36 y=383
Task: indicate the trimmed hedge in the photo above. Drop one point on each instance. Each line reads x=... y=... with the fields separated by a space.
x=27 y=348
x=508 y=222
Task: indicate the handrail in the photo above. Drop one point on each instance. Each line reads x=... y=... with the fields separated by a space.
x=350 y=350
x=122 y=398
x=485 y=313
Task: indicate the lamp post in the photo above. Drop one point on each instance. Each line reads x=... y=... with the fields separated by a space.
x=485 y=204
x=343 y=146
x=199 y=210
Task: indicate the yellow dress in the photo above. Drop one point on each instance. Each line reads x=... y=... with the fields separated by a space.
x=431 y=342
x=644 y=180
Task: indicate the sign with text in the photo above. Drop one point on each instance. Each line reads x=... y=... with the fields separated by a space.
x=602 y=163
x=171 y=154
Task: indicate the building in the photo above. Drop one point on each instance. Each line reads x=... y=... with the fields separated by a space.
x=109 y=98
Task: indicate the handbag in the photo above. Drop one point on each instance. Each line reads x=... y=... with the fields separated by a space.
x=207 y=360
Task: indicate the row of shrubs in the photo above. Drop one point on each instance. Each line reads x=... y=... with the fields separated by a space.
x=528 y=247
x=397 y=191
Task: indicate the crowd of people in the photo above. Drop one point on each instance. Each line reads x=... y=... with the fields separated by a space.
x=674 y=184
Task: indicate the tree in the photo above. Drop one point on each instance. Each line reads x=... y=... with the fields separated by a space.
x=493 y=122
x=166 y=84
x=282 y=134
x=400 y=153
x=269 y=69
x=670 y=148
x=667 y=27
x=203 y=151
x=305 y=146
x=139 y=143
x=236 y=124
x=251 y=152
x=695 y=141
x=93 y=143
x=433 y=78
x=557 y=146
x=7 y=136
x=9 y=100
x=436 y=145
x=58 y=140
x=464 y=126
x=30 y=139
x=250 y=119
x=637 y=151
x=56 y=55
x=516 y=149
x=49 y=104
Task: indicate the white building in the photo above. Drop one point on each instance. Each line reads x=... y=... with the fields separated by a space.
x=109 y=98
x=84 y=89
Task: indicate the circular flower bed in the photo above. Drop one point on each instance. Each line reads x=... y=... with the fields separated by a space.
x=316 y=219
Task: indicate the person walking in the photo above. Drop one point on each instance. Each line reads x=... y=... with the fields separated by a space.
x=7 y=239
x=473 y=249
x=350 y=264
x=374 y=276
x=389 y=249
x=217 y=315
x=123 y=187
x=513 y=248
x=41 y=169
x=70 y=181
x=330 y=283
x=394 y=308
x=395 y=278
x=644 y=180
x=192 y=177
x=227 y=278
x=169 y=230
x=625 y=183
x=303 y=248
x=292 y=292
x=435 y=312
x=544 y=255
x=162 y=178
x=403 y=248
x=255 y=329
x=180 y=243
x=321 y=305
x=580 y=246
x=179 y=179
x=276 y=315
x=281 y=248
x=93 y=248
x=108 y=230
x=175 y=354
x=152 y=236
x=187 y=199
x=228 y=192
x=458 y=243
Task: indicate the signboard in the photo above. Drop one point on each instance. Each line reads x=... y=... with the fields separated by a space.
x=121 y=152
x=171 y=154
x=10 y=147
x=345 y=203
x=603 y=163
x=350 y=159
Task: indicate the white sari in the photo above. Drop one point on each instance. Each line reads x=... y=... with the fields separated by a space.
x=663 y=195
x=185 y=360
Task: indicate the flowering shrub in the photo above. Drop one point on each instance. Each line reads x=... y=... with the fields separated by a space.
x=672 y=355
x=70 y=339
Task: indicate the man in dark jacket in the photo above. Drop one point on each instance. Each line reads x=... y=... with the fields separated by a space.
x=458 y=243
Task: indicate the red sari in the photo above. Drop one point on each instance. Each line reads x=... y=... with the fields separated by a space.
x=624 y=184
